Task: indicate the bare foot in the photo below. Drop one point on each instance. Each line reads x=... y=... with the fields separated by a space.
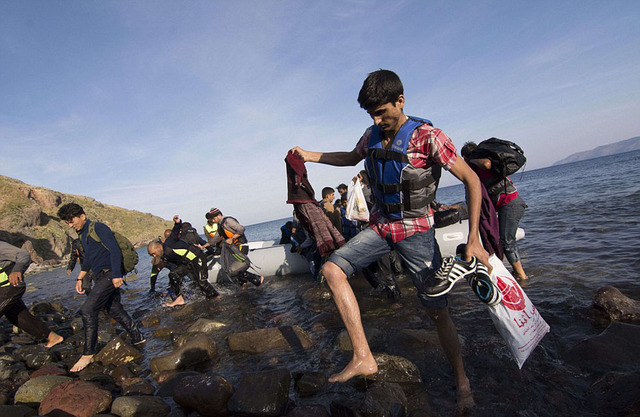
x=464 y=401
x=82 y=363
x=522 y=277
x=357 y=366
x=53 y=339
x=177 y=302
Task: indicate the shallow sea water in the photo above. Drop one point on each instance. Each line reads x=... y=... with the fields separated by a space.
x=582 y=233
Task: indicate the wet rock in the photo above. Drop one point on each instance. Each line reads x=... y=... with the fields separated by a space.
x=136 y=386
x=170 y=383
x=383 y=400
x=616 y=394
x=343 y=341
x=150 y=321
x=309 y=411
x=265 y=340
x=13 y=372
x=617 y=306
x=16 y=411
x=310 y=383
x=206 y=394
x=32 y=392
x=42 y=308
x=4 y=399
x=140 y=406
x=120 y=373
x=199 y=350
x=50 y=369
x=205 y=326
x=393 y=368
x=344 y=409
x=66 y=397
x=165 y=333
x=615 y=349
x=105 y=382
x=35 y=356
x=76 y=324
x=117 y=352
x=261 y=394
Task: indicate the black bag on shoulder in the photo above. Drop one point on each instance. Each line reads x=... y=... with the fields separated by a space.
x=506 y=157
x=233 y=261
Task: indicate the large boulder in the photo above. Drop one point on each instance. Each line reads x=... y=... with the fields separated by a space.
x=397 y=369
x=615 y=349
x=261 y=394
x=199 y=350
x=384 y=400
x=32 y=392
x=309 y=383
x=207 y=326
x=140 y=406
x=265 y=340
x=117 y=352
x=206 y=394
x=35 y=356
x=66 y=398
x=136 y=386
x=169 y=385
x=617 y=306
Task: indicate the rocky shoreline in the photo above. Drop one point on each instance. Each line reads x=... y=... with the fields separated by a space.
x=126 y=381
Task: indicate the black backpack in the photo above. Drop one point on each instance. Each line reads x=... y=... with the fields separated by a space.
x=506 y=157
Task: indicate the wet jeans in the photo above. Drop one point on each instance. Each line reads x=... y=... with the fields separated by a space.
x=509 y=219
x=419 y=252
x=104 y=296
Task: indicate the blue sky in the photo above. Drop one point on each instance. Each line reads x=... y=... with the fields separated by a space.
x=176 y=107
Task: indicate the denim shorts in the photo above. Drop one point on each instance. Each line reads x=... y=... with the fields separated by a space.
x=420 y=254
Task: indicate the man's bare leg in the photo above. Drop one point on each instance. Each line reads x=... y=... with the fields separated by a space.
x=451 y=345
x=363 y=362
x=53 y=339
x=179 y=301
x=519 y=271
x=82 y=363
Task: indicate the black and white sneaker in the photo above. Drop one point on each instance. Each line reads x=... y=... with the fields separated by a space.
x=451 y=271
x=484 y=287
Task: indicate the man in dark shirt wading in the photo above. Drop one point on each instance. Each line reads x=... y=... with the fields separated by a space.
x=104 y=259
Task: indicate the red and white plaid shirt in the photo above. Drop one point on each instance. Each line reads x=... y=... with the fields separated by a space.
x=427 y=146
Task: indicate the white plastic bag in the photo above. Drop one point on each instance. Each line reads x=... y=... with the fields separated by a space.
x=356 y=204
x=515 y=317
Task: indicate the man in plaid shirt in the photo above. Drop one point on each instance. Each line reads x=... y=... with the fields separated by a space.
x=411 y=235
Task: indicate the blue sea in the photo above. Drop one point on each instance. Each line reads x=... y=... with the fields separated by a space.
x=582 y=233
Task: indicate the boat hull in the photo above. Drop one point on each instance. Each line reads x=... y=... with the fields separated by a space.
x=271 y=259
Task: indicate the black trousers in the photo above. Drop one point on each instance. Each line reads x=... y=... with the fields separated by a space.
x=12 y=306
x=198 y=268
x=104 y=296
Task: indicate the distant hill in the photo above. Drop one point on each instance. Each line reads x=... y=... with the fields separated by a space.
x=623 y=146
x=28 y=219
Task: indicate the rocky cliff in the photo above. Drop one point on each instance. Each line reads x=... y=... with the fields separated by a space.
x=28 y=219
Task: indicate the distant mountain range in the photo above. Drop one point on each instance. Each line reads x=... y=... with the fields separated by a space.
x=28 y=219
x=623 y=146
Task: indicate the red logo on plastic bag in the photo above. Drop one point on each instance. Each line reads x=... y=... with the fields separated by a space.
x=512 y=295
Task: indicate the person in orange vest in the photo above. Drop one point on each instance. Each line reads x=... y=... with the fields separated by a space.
x=232 y=232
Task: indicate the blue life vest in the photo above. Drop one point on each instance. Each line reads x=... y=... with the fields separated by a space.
x=400 y=190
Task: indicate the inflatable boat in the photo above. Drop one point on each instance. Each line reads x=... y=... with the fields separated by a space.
x=268 y=258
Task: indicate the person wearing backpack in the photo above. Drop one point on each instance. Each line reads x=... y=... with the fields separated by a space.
x=232 y=232
x=102 y=256
x=509 y=205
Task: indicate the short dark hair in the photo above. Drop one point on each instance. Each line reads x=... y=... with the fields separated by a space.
x=69 y=211
x=467 y=148
x=344 y=186
x=326 y=191
x=379 y=88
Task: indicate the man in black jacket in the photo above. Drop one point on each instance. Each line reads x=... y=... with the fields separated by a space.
x=187 y=257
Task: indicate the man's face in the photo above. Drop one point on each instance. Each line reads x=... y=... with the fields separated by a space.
x=156 y=252
x=218 y=218
x=342 y=190
x=389 y=117
x=77 y=222
x=330 y=197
